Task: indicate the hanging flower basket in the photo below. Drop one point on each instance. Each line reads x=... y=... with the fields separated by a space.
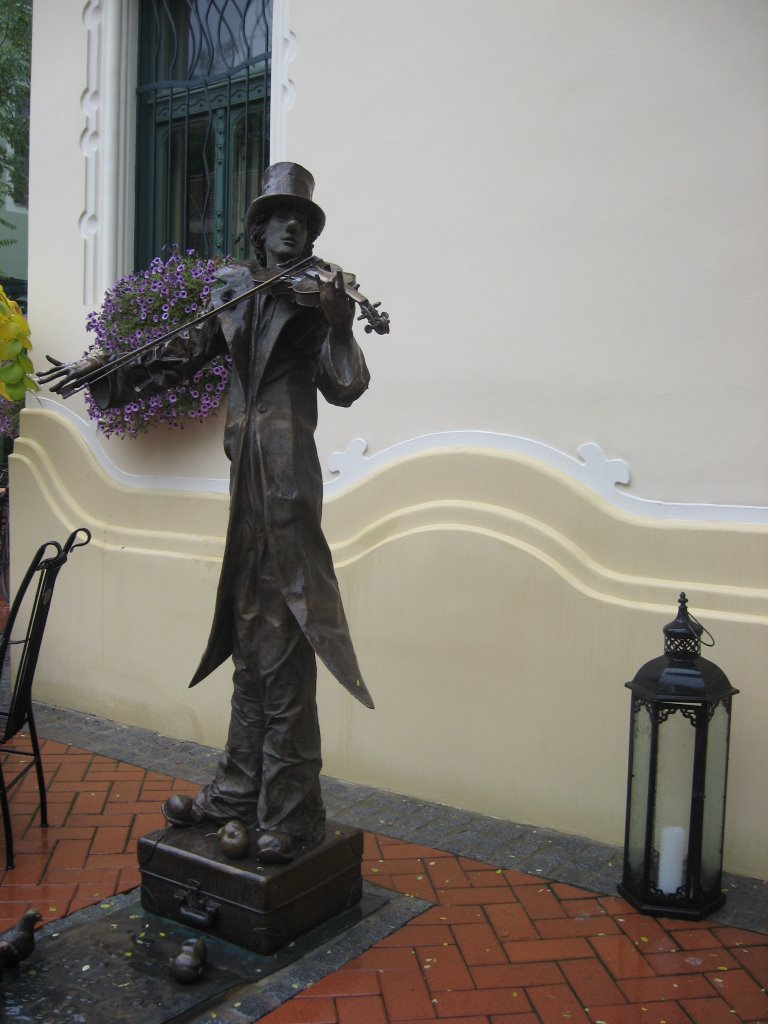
x=144 y=306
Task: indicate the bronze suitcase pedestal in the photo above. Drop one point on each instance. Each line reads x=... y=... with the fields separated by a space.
x=261 y=907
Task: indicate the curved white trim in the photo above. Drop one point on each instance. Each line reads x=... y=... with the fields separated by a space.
x=90 y=435
x=592 y=469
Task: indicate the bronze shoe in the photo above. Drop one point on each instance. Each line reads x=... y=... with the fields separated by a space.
x=180 y=810
x=275 y=847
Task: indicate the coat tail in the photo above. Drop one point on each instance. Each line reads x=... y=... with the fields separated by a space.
x=359 y=691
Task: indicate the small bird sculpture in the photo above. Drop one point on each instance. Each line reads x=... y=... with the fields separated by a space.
x=233 y=839
x=18 y=942
x=189 y=964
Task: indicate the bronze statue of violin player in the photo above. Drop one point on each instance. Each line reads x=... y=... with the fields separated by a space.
x=285 y=317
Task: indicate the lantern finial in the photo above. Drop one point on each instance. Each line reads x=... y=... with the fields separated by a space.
x=682 y=636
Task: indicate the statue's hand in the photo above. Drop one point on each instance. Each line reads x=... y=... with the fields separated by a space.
x=228 y=283
x=69 y=375
x=339 y=309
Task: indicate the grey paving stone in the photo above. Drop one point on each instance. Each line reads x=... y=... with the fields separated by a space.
x=239 y=986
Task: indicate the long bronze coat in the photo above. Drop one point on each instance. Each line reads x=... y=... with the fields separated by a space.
x=281 y=356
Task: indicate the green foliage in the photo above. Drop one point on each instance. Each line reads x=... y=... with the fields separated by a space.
x=4 y=242
x=15 y=50
x=16 y=367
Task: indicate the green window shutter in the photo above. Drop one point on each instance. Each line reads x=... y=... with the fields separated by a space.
x=203 y=123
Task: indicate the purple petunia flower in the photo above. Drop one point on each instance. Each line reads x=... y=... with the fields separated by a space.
x=142 y=307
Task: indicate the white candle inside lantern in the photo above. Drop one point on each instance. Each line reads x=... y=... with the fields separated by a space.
x=671 y=859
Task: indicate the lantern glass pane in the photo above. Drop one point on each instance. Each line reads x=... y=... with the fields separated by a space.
x=674 y=787
x=638 y=795
x=714 y=797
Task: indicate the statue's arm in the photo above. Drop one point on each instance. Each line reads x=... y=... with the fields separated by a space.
x=342 y=375
x=149 y=374
x=162 y=368
x=159 y=368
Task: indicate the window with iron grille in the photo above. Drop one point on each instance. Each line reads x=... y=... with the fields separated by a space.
x=203 y=122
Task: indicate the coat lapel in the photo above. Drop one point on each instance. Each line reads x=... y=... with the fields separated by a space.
x=274 y=315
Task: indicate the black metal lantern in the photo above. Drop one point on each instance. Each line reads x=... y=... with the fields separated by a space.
x=678 y=766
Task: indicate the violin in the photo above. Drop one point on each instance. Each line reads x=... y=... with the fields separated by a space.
x=301 y=281
x=303 y=286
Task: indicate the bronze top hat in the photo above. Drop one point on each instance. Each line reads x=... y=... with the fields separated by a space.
x=286 y=184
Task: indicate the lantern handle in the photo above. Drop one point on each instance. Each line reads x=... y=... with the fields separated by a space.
x=703 y=628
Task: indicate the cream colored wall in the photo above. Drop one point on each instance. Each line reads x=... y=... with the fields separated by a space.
x=497 y=607
x=133 y=608
x=561 y=206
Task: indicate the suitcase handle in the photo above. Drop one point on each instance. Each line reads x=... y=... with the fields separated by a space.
x=199 y=917
x=194 y=908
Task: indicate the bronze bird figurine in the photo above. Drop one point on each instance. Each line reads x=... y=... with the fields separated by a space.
x=18 y=942
x=189 y=964
x=233 y=839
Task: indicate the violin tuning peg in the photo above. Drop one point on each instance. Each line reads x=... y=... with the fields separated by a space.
x=368 y=328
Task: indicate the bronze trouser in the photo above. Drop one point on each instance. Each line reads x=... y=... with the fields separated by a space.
x=269 y=772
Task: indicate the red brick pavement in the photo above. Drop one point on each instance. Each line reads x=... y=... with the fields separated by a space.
x=497 y=947
x=500 y=947
x=97 y=808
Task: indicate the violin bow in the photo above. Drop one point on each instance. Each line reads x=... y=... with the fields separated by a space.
x=126 y=358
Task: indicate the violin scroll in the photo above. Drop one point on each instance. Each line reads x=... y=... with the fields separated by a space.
x=378 y=322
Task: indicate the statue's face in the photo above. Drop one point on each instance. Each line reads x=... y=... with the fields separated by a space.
x=285 y=236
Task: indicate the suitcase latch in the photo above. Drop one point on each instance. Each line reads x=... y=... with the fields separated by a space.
x=196 y=908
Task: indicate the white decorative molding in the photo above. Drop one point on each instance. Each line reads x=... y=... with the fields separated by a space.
x=121 y=43
x=90 y=102
x=593 y=469
x=282 y=89
x=108 y=143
